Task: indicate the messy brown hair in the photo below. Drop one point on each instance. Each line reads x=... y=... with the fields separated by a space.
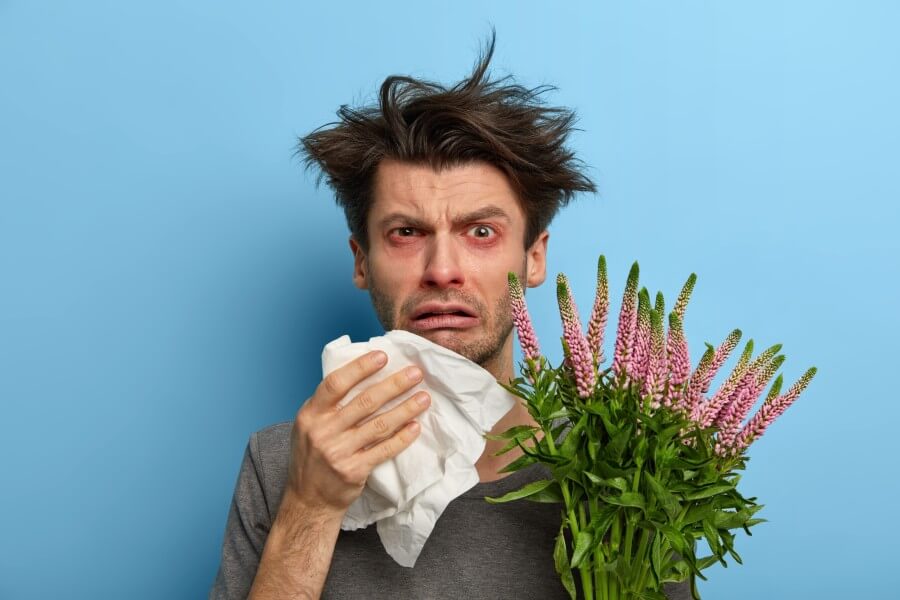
x=478 y=119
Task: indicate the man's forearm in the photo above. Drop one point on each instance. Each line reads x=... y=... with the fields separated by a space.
x=298 y=552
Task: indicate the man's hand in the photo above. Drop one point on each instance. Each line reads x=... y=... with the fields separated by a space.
x=332 y=454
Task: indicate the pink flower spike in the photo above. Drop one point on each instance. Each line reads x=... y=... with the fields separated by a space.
x=525 y=330
x=684 y=296
x=773 y=408
x=693 y=398
x=745 y=398
x=764 y=413
x=640 y=359
x=679 y=361
x=654 y=384
x=579 y=356
x=758 y=375
x=597 y=322
x=707 y=370
x=711 y=409
x=756 y=369
x=731 y=420
x=625 y=334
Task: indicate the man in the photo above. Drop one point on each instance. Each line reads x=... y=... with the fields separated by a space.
x=445 y=191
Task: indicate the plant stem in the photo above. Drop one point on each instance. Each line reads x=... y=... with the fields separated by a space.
x=585 y=570
x=629 y=538
x=629 y=530
x=573 y=521
x=598 y=554
x=640 y=560
x=614 y=553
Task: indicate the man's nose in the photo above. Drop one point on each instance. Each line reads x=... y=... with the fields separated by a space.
x=442 y=267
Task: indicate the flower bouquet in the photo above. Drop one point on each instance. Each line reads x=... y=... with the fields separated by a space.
x=644 y=462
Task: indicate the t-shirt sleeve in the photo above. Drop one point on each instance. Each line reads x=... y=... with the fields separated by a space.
x=246 y=530
x=678 y=591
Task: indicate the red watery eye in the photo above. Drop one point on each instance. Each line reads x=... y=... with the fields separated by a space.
x=404 y=232
x=482 y=231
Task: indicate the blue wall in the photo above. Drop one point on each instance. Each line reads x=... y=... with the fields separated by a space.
x=168 y=273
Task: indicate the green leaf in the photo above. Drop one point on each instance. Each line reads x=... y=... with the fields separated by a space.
x=595 y=479
x=509 y=446
x=732 y=520
x=618 y=483
x=619 y=442
x=582 y=546
x=549 y=495
x=685 y=463
x=527 y=490
x=519 y=431
x=559 y=429
x=689 y=474
x=656 y=557
x=752 y=522
x=668 y=433
x=610 y=424
x=559 y=414
x=519 y=463
x=600 y=524
x=712 y=538
x=698 y=512
x=708 y=491
x=633 y=499
x=676 y=539
x=561 y=561
x=669 y=503
x=728 y=542
x=570 y=444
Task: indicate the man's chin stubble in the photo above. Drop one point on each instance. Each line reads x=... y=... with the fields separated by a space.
x=481 y=352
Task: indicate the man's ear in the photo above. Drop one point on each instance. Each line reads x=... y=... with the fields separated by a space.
x=360 y=275
x=537 y=260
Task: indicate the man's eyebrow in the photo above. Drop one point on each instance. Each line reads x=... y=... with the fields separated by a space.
x=482 y=214
x=487 y=212
x=402 y=218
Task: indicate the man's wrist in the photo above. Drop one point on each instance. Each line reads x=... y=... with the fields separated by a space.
x=296 y=514
x=298 y=551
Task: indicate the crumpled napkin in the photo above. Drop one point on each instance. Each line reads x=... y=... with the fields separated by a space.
x=406 y=495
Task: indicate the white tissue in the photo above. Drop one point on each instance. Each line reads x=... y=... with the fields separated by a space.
x=406 y=495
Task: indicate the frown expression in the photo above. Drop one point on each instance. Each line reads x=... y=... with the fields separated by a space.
x=440 y=247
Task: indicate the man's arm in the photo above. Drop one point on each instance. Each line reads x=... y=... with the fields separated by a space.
x=333 y=449
x=298 y=552
x=290 y=559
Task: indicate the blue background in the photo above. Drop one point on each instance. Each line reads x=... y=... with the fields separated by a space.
x=169 y=274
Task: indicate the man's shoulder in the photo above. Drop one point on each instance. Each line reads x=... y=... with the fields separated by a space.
x=273 y=438
x=270 y=453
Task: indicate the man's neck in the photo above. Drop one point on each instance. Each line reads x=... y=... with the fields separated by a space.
x=488 y=465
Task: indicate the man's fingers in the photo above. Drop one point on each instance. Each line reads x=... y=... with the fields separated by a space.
x=340 y=381
x=374 y=397
x=391 y=447
x=388 y=422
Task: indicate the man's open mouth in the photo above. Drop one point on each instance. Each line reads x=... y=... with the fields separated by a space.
x=432 y=316
x=427 y=315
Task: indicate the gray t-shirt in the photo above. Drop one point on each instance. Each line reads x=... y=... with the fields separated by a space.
x=476 y=550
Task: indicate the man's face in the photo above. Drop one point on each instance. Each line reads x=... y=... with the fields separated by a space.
x=440 y=247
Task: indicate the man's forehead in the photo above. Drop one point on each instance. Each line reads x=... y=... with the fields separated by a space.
x=421 y=191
